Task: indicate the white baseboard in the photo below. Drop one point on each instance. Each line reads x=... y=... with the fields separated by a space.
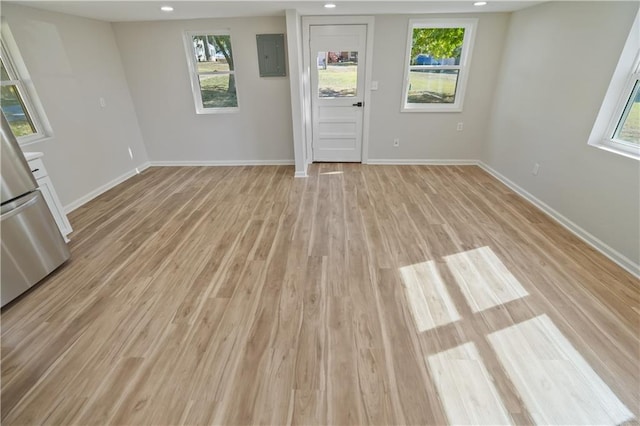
x=300 y=175
x=104 y=188
x=400 y=162
x=223 y=163
x=585 y=236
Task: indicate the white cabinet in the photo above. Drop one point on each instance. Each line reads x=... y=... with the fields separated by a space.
x=48 y=192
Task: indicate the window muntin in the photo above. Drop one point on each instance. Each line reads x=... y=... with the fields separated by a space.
x=438 y=55
x=15 y=103
x=212 y=69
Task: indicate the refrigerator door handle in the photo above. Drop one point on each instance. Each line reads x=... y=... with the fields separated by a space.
x=16 y=207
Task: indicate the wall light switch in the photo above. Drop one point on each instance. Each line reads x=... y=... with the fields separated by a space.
x=103 y=103
x=374 y=85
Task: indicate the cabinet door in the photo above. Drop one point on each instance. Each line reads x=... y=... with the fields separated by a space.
x=50 y=196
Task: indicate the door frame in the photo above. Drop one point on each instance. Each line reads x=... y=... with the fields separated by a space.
x=307 y=22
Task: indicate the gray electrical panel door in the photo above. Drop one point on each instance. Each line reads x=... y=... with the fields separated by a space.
x=271 y=59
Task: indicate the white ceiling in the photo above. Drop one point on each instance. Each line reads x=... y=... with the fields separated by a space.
x=149 y=10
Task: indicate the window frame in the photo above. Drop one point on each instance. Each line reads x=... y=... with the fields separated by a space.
x=621 y=112
x=616 y=98
x=19 y=77
x=194 y=75
x=469 y=25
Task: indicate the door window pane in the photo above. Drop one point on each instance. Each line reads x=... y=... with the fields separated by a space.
x=432 y=86
x=629 y=126
x=16 y=112
x=218 y=91
x=337 y=74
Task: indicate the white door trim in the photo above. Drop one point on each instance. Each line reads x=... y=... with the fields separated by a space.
x=307 y=21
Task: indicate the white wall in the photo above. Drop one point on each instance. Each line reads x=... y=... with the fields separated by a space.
x=430 y=135
x=73 y=62
x=155 y=62
x=557 y=65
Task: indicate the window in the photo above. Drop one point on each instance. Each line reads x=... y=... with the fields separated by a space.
x=16 y=103
x=617 y=125
x=437 y=63
x=212 y=70
x=624 y=131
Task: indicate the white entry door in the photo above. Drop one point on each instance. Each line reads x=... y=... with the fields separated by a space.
x=337 y=66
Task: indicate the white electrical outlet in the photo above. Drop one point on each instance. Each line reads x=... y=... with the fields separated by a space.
x=396 y=142
x=460 y=126
x=536 y=167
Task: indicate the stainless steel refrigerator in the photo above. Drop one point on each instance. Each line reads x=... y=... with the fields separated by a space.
x=32 y=246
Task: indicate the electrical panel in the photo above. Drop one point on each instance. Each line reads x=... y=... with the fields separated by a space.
x=271 y=56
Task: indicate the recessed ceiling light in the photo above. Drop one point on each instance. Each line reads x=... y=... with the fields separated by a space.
x=329 y=5
x=480 y=3
x=166 y=9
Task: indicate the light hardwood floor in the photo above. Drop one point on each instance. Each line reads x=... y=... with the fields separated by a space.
x=359 y=295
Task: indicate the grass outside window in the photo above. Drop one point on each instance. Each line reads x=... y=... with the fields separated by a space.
x=215 y=92
x=432 y=86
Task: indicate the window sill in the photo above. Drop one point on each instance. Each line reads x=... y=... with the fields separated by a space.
x=28 y=142
x=432 y=108
x=618 y=148
x=217 y=110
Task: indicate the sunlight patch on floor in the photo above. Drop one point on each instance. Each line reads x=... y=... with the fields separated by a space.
x=430 y=302
x=466 y=388
x=484 y=280
x=555 y=382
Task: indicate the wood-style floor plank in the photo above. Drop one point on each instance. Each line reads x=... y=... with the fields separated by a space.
x=359 y=295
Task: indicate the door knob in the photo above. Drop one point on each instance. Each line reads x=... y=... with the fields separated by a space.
x=359 y=104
